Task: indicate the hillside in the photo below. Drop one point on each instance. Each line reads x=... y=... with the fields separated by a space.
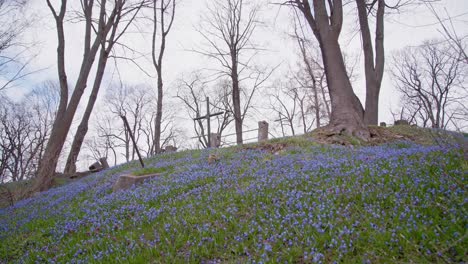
x=289 y=200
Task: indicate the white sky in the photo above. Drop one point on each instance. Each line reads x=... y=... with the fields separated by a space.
x=410 y=27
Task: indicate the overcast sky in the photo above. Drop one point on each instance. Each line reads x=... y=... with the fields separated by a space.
x=408 y=28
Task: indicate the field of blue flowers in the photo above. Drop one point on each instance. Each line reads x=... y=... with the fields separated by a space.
x=395 y=203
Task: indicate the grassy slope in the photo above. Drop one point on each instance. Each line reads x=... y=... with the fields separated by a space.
x=299 y=202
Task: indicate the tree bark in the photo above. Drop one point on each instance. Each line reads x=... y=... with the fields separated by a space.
x=63 y=121
x=236 y=98
x=159 y=114
x=347 y=114
x=82 y=130
x=158 y=62
x=373 y=70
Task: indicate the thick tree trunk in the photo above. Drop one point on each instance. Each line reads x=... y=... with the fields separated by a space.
x=49 y=160
x=347 y=114
x=63 y=121
x=371 y=115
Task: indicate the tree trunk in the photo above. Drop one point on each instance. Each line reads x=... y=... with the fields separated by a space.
x=373 y=70
x=64 y=118
x=347 y=114
x=49 y=160
x=317 y=103
x=82 y=130
x=159 y=113
x=371 y=114
x=324 y=96
x=164 y=9
x=236 y=99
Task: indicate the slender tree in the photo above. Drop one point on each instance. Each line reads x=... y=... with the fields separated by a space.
x=310 y=77
x=163 y=18
x=228 y=27
x=24 y=130
x=193 y=90
x=14 y=52
x=432 y=81
x=284 y=104
x=67 y=107
x=449 y=32
x=123 y=12
x=374 y=61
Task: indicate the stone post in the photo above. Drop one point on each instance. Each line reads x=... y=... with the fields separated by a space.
x=401 y=123
x=383 y=124
x=262 y=131
x=215 y=140
x=104 y=163
x=170 y=148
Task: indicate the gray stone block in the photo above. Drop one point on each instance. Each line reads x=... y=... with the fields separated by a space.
x=126 y=181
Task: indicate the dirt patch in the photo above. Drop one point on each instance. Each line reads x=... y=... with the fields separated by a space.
x=378 y=136
x=382 y=135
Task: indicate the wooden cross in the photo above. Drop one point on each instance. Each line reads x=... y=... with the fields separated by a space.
x=207 y=117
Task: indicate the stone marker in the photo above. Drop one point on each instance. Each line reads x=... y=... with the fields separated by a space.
x=104 y=163
x=401 y=122
x=170 y=148
x=95 y=167
x=262 y=131
x=215 y=140
x=383 y=124
x=126 y=181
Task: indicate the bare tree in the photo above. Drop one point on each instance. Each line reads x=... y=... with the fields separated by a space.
x=192 y=92
x=284 y=104
x=228 y=27
x=100 y=26
x=432 y=80
x=137 y=103
x=108 y=141
x=14 y=57
x=24 y=130
x=374 y=61
x=325 y=18
x=169 y=132
x=311 y=80
x=449 y=32
x=123 y=18
x=165 y=17
x=132 y=102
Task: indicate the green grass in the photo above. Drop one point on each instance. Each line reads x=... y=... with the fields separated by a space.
x=152 y=170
